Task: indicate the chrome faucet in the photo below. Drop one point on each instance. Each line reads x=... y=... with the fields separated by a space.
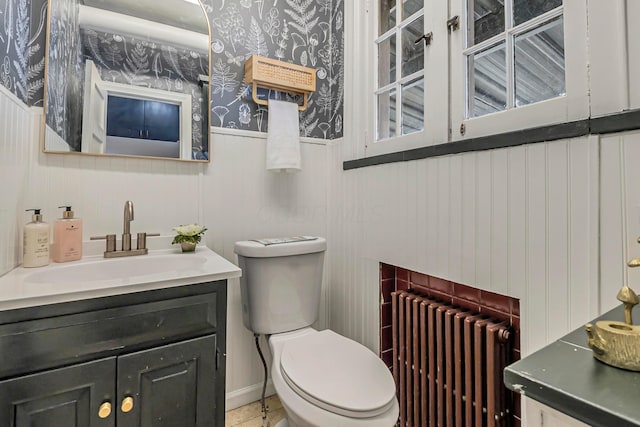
x=141 y=249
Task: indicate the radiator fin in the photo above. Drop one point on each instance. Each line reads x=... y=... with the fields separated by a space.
x=448 y=363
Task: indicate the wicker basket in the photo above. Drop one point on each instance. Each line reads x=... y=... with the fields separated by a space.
x=278 y=75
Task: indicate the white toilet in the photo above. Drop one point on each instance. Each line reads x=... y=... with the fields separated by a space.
x=322 y=379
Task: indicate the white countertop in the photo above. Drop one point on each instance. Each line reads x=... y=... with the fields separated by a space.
x=94 y=276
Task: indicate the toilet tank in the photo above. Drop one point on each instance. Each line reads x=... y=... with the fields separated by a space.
x=281 y=283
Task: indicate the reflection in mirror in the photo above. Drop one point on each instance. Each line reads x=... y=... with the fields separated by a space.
x=128 y=78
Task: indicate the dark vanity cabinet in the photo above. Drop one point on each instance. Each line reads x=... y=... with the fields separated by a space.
x=146 y=359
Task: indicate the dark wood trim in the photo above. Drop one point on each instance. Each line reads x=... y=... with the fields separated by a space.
x=618 y=122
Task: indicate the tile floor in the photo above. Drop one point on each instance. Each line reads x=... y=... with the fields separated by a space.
x=251 y=415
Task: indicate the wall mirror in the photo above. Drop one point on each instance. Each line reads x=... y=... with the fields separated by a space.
x=128 y=78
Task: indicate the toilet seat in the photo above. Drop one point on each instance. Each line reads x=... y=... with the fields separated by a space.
x=337 y=374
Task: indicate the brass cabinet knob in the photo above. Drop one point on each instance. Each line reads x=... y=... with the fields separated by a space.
x=127 y=404
x=105 y=410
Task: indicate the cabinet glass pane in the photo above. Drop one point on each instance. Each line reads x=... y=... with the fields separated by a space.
x=524 y=10
x=386 y=115
x=487 y=81
x=413 y=106
x=412 y=52
x=387 y=15
x=409 y=7
x=539 y=64
x=486 y=21
x=387 y=61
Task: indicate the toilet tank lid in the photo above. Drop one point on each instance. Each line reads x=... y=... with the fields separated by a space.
x=280 y=246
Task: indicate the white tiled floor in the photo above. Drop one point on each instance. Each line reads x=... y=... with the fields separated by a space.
x=251 y=415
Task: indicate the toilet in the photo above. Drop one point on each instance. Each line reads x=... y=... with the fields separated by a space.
x=322 y=378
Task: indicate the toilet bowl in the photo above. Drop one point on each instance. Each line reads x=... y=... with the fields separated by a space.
x=326 y=380
x=322 y=378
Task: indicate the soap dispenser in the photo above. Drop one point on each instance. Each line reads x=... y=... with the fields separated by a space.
x=35 y=249
x=67 y=237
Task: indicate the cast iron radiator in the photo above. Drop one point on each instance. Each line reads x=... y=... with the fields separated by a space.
x=448 y=363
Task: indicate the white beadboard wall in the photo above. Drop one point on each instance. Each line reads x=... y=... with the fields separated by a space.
x=520 y=221
x=97 y=188
x=233 y=196
x=17 y=135
x=243 y=201
x=549 y=223
x=619 y=213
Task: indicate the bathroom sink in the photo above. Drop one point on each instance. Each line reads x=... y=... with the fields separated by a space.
x=120 y=269
x=95 y=276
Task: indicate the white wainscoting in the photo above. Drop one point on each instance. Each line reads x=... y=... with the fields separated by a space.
x=233 y=196
x=550 y=223
x=523 y=221
x=619 y=214
x=244 y=201
x=17 y=143
x=520 y=221
x=164 y=193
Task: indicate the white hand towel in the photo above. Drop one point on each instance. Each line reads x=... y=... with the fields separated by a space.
x=283 y=141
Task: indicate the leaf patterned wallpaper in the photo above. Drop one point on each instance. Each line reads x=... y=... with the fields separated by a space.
x=305 y=32
x=22 y=41
x=65 y=74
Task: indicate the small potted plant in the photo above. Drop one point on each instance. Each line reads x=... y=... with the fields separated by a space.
x=188 y=236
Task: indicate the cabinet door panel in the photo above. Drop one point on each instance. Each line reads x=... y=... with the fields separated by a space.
x=125 y=117
x=162 y=121
x=171 y=386
x=66 y=397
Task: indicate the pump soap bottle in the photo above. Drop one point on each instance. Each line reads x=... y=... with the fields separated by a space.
x=36 y=241
x=67 y=237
